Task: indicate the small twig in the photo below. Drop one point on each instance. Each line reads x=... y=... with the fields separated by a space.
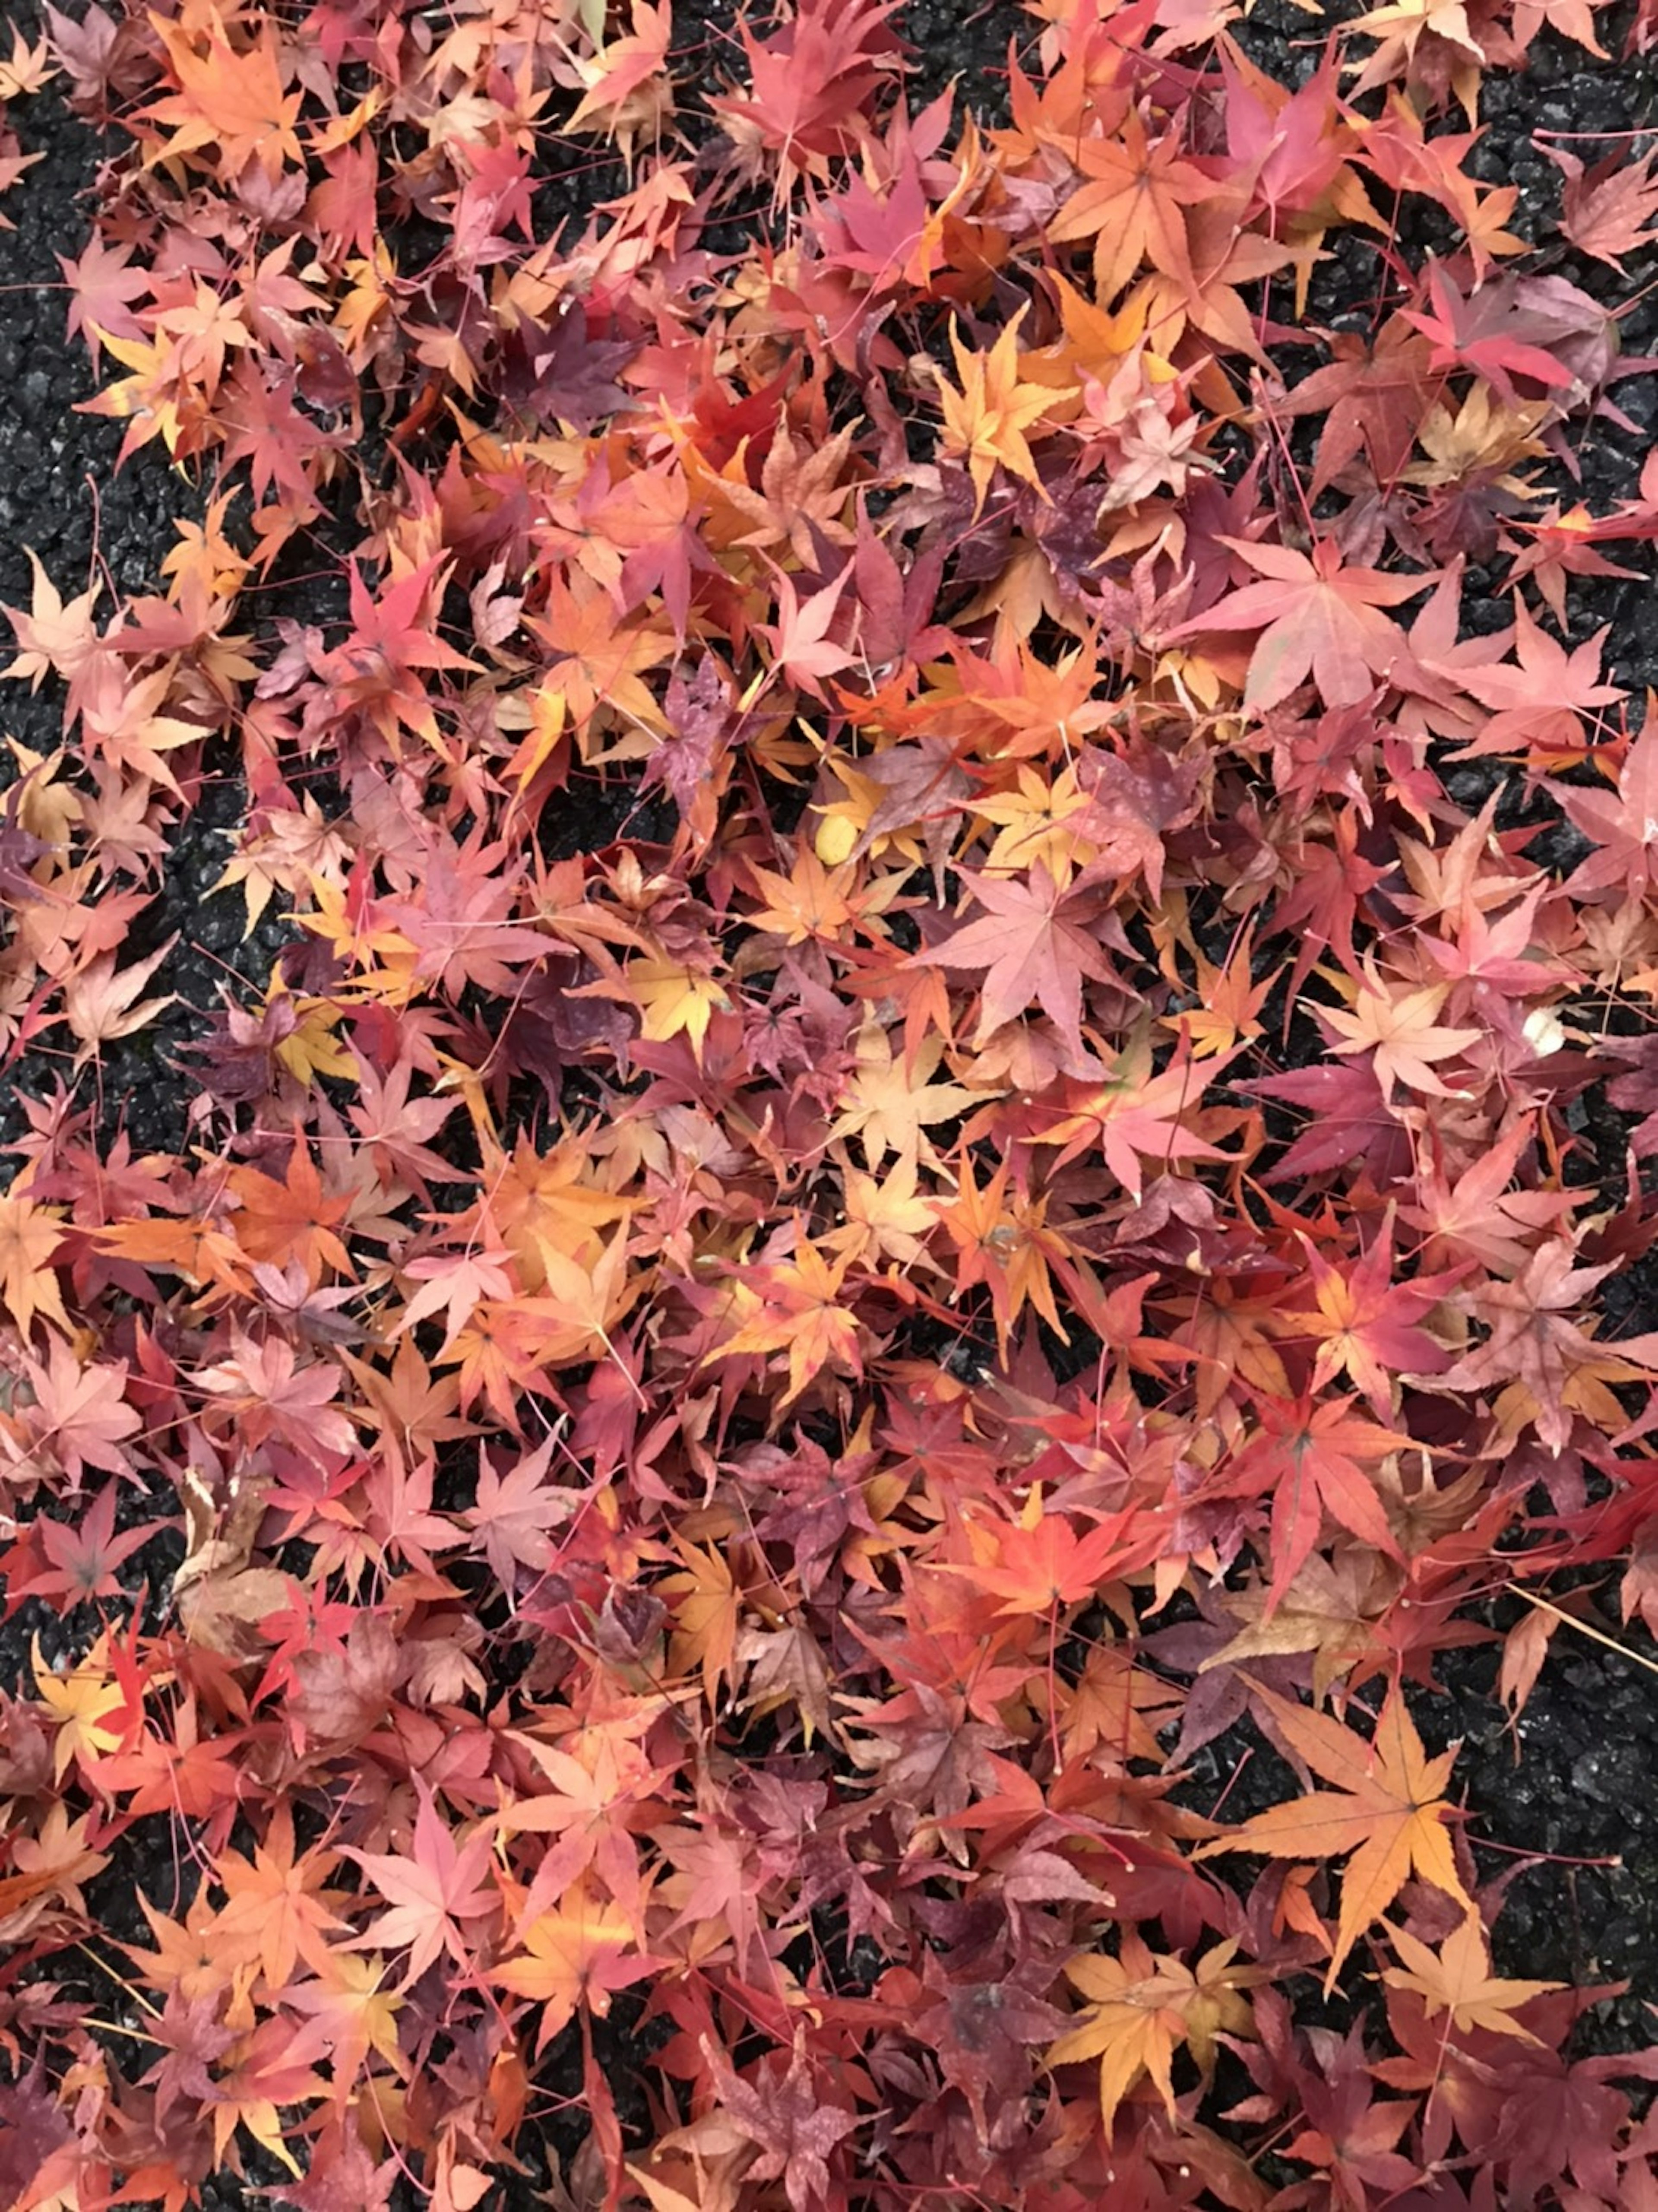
x=1583 y=1629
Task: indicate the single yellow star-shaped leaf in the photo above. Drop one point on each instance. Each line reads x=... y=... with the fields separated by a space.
x=986 y=421
x=1457 y=1980
x=83 y=1702
x=1402 y=1034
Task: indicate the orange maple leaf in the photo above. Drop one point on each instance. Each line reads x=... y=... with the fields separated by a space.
x=234 y=101
x=577 y=1955
x=29 y=1235
x=1039 y=1564
x=292 y=1219
x=802 y=1314
x=1130 y=209
x=1387 y=1810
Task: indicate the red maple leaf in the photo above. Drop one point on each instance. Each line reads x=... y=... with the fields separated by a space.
x=1317 y=618
x=1036 y=944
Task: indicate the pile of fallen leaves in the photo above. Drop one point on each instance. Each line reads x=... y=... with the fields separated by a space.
x=743 y=1403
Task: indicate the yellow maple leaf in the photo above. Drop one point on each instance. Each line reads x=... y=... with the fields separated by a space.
x=1143 y=2005
x=986 y=420
x=82 y=1703
x=888 y=1102
x=706 y=1608
x=887 y=1220
x=1387 y=1815
x=672 y=996
x=1457 y=1980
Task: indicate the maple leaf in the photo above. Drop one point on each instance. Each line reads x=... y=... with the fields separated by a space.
x=1457 y=1981
x=811 y=903
x=1290 y=146
x=982 y=2030
x=1133 y=803
x=513 y=1513
x=1366 y=1322
x=1035 y=946
x=709 y=1609
x=20 y=848
x=50 y=1864
x=99 y=1003
x=341 y=2173
x=1317 y=618
x=228 y=99
x=619 y=77
x=1401 y=24
x=578 y=1954
x=1388 y=1811
x=293 y=1220
x=1007 y=1245
x=1143 y=2006
x=84 y=1558
x=80 y=1416
x=1478 y=1217
x=986 y=421
x=600 y=665
x=1608 y=209
x=395 y=1128
x=85 y=1703
x=259 y=2074
x=601 y=1788
x=193 y=2038
x=455 y=1284
x=29 y=1238
x=800 y=647
x=431 y=1894
x=1537 y=702
x=1573 y=19
x=1506 y=329
x=1312 y=1458
x=1132 y=208
x=278 y=1910
x=809 y=83
x=890 y=1103
x=461 y=923
x=801 y=1312
x=26 y=69
x=1561 y=545
x=795 y=2124
x=1321 y=1610
x=124 y=723
x=1400 y=1034
x=1625 y=828
x=803 y=496
x=352 y=2013
x=1133 y=1117
x=344 y=1681
x=1039 y=1565
x=55 y=638
x=378 y=668
x=1550 y=1365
